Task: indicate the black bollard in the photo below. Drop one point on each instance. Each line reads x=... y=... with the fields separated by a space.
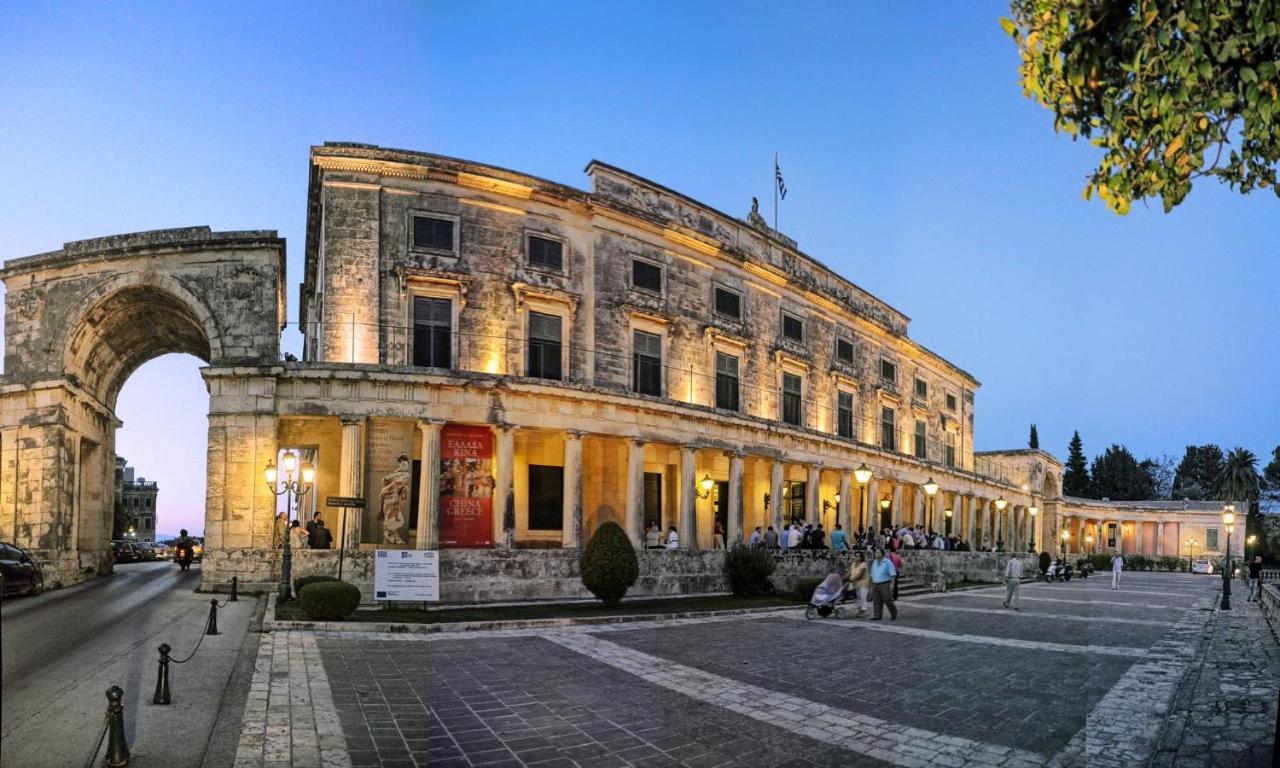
x=162 y=677
x=212 y=629
x=235 y=584
x=117 y=747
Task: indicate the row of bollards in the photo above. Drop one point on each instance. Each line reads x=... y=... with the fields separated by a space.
x=117 y=745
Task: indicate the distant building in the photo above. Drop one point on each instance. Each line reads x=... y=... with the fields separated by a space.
x=139 y=499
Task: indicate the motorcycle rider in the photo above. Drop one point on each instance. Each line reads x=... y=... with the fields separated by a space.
x=185 y=551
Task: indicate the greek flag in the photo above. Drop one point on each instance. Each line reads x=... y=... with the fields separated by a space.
x=782 y=185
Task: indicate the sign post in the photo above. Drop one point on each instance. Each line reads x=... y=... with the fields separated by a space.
x=344 y=503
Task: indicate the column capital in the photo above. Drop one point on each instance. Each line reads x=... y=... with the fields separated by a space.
x=639 y=442
x=351 y=421
x=576 y=434
x=427 y=425
x=735 y=454
x=503 y=426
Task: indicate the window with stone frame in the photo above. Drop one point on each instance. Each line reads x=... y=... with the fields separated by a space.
x=792 y=328
x=434 y=233
x=646 y=363
x=951 y=402
x=646 y=275
x=545 y=253
x=1210 y=538
x=727 y=382
x=844 y=350
x=545 y=347
x=922 y=439
x=546 y=498
x=888 y=371
x=888 y=438
x=922 y=388
x=951 y=449
x=844 y=414
x=432 y=332
x=728 y=303
x=792 y=398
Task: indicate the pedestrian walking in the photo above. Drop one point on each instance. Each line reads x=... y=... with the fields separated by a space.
x=896 y=559
x=1012 y=581
x=883 y=575
x=860 y=580
x=1255 y=579
x=717 y=540
x=1117 y=565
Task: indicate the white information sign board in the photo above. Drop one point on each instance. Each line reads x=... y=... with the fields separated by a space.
x=406 y=574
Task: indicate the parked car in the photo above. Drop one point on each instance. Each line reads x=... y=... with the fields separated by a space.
x=19 y=572
x=161 y=550
x=144 y=550
x=122 y=552
x=1202 y=566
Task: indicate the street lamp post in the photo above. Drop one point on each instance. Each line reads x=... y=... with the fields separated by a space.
x=293 y=490
x=1228 y=520
x=863 y=475
x=947 y=513
x=930 y=490
x=1191 y=552
x=1000 y=505
x=1249 y=542
x=1033 y=510
x=884 y=510
x=1065 y=536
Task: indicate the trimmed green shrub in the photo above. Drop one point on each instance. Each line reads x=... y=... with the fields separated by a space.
x=303 y=581
x=1135 y=563
x=1045 y=559
x=747 y=570
x=609 y=564
x=1101 y=561
x=1171 y=563
x=805 y=587
x=329 y=600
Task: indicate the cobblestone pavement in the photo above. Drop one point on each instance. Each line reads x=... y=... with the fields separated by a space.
x=1082 y=675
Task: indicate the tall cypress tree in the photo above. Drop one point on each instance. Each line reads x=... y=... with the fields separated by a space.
x=1075 y=478
x=1034 y=441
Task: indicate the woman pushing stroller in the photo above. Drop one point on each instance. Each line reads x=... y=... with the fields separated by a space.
x=859 y=582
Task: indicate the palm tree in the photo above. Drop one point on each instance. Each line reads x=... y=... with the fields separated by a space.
x=1239 y=478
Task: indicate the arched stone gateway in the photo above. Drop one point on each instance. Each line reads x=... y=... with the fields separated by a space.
x=78 y=322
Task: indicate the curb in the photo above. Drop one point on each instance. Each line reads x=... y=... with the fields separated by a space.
x=271 y=624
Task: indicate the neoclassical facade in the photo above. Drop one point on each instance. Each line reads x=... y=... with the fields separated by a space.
x=497 y=363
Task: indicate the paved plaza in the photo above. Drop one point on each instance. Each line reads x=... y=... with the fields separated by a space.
x=1081 y=675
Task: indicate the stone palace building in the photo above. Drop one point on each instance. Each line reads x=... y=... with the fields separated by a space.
x=557 y=358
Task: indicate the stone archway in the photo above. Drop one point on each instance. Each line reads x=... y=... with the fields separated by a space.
x=79 y=321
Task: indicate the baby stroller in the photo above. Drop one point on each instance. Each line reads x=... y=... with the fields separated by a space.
x=825 y=599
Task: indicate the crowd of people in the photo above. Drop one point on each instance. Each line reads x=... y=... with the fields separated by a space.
x=802 y=535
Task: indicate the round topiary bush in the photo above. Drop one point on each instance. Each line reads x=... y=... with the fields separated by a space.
x=1045 y=559
x=303 y=581
x=329 y=600
x=747 y=570
x=609 y=564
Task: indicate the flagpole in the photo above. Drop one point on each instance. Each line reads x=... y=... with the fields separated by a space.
x=775 y=192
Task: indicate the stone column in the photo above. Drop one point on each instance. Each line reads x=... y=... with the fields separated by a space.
x=844 y=515
x=634 y=519
x=504 y=494
x=871 y=500
x=733 y=532
x=970 y=522
x=918 y=509
x=813 y=496
x=571 y=534
x=939 y=512
x=1159 y=538
x=428 y=533
x=350 y=473
x=775 y=496
x=687 y=524
x=897 y=505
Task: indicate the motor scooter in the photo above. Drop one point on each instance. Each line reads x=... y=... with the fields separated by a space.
x=183 y=558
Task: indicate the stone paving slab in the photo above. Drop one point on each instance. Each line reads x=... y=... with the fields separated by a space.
x=1082 y=605
x=518 y=701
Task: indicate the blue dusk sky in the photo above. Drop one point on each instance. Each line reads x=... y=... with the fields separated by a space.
x=915 y=166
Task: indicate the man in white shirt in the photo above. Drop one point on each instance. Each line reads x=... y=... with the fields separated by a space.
x=1012 y=580
x=1117 y=565
x=795 y=536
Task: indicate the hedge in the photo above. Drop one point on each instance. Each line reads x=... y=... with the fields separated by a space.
x=747 y=570
x=329 y=600
x=303 y=581
x=609 y=564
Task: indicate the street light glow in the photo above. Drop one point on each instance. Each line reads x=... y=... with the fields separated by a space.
x=930 y=487
x=862 y=474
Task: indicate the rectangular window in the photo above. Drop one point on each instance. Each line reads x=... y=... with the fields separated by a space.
x=646 y=374
x=653 y=500
x=922 y=388
x=844 y=414
x=432 y=332
x=844 y=350
x=887 y=438
x=792 y=328
x=951 y=450
x=791 y=389
x=429 y=232
x=728 y=303
x=545 y=253
x=726 y=381
x=546 y=498
x=951 y=402
x=888 y=371
x=921 y=440
x=1210 y=538
x=645 y=275
x=544 y=346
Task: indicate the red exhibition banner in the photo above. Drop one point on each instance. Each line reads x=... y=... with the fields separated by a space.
x=466 y=486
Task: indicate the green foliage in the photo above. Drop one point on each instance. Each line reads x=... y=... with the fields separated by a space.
x=329 y=600
x=119 y=521
x=1197 y=474
x=1101 y=561
x=805 y=587
x=1118 y=476
x=1034 y=440
x=303 y=581
x=1171 y=563
x=1045 y=560
x=1135 y=563
x=747 y=570
x=609 y=564
x=1239 y=480
x=1075 y=478
x=1171 y=91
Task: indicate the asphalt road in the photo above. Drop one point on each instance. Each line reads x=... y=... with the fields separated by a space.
x=61 y=650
